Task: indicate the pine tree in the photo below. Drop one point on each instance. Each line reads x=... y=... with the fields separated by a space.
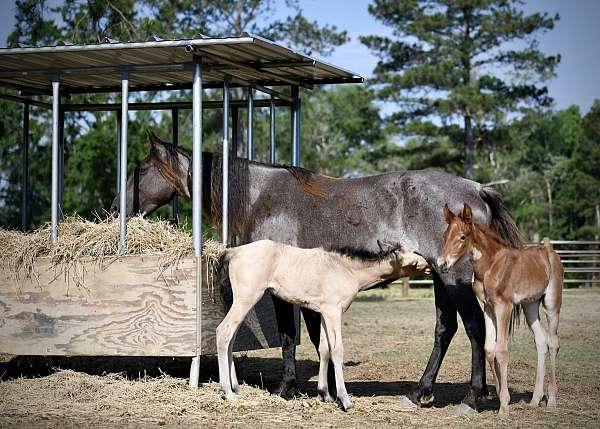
x=455 y=67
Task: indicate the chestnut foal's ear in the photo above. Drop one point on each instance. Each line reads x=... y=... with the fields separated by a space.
x=448 y=214
x=467 y=214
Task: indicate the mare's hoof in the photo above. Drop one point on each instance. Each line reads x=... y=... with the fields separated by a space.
x=286 y=390
x=407 y=403
x=464 y=410
x=426 y=401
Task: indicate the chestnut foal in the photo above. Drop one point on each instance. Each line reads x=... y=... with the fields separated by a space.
x=506 y=277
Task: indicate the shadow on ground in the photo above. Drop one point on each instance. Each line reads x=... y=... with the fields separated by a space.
x=262 y=372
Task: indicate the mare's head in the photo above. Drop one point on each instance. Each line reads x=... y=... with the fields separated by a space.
x=458 y=237
x=155 y=180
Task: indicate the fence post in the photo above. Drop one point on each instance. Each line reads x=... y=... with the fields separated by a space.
x=404 y=290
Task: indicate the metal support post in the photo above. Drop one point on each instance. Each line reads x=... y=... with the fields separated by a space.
x=55 y=156
x=61 y=163
x=295 y=125
x=236 y=144
x=272 y=134
x=123 y=164
x=25 y=170
x=225 y=192
x=118 y=151
x=175 y=137
x=197 y=209
x=250 y=123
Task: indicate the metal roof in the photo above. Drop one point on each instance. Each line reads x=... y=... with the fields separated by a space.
x=163 y=64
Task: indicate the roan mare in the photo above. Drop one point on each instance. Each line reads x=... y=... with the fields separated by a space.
x=507 y=278
x=295 y=206
x=323 y=281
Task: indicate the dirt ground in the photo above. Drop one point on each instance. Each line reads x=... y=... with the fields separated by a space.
x=387 y=344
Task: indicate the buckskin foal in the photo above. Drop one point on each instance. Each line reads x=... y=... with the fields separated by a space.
x=324 y=281
x=506 y=278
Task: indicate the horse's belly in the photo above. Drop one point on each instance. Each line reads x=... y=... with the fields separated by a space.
x=305 y=297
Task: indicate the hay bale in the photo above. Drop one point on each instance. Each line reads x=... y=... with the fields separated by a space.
x=80 y=239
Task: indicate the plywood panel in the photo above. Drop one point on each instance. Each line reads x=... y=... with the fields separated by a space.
x=125 y=308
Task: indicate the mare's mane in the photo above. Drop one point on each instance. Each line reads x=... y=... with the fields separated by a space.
x=491 y=234
x=364 y=254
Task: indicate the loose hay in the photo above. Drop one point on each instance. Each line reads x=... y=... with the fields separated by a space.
x=80 y=239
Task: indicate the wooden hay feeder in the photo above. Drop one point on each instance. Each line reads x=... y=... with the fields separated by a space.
x=125 y=309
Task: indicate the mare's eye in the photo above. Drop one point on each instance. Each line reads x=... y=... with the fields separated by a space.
x=463 y=237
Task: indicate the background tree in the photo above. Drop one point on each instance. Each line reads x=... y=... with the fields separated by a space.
x=455 y=68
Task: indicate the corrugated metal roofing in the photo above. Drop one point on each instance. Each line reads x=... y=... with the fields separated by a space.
x=163 y=64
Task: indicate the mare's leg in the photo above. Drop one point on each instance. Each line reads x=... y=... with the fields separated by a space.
x=445 y=328
x=225 y=334
x=552 y=302
x=502 y=312
x=490 y=344
x=532 y=315
x=324 y=358
x=333 y=328
x=284 y=313
x=472 y=317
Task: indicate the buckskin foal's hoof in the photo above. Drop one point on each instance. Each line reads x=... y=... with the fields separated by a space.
x=287 y=390
x=464 y=410
x=407 y=403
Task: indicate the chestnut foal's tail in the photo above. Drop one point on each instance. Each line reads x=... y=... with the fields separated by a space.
x=503 y=224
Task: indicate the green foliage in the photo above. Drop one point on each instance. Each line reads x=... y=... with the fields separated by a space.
x=451 y=62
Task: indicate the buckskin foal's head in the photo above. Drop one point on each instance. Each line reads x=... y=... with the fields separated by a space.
x=458 y=237
x=156 y=179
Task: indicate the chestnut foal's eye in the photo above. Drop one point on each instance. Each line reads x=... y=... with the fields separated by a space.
x=463 y=237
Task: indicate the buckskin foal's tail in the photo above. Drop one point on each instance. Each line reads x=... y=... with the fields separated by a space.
x=503 y=224
x=222 y=281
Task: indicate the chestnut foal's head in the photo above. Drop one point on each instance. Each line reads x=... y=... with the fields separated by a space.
x=458 y=240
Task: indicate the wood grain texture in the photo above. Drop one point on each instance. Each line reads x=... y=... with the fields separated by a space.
x=125 y=309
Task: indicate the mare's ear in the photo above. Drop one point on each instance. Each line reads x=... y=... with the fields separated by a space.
x=154 y=140
x=467 y=214
x=448 y=214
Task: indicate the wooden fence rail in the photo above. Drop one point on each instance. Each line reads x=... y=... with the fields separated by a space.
x=584 y=254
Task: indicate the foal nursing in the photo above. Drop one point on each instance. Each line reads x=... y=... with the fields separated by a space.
x=506 y=277
x=323 y=281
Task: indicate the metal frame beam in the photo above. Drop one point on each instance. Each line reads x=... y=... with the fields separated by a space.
x=26 y=100
x=296 y=127
x=182 y=105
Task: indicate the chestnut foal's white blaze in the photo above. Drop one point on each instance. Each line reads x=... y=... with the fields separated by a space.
x=323 y=281
x=505 y=277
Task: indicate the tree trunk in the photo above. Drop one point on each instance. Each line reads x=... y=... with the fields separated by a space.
x=549 y=192
x=469 y=148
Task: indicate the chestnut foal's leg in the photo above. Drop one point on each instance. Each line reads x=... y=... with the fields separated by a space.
x=532 y=314
x=324 y=358
x=490 y=344
x=502 y=312
x=552 y=315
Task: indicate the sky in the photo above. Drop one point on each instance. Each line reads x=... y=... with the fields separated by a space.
x=576 y=37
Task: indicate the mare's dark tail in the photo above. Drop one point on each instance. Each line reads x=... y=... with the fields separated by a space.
x=222 y=280
x=503 y=224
